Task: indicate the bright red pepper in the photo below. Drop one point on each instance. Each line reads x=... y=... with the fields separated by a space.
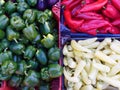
x=115 y=30
x=105 y=30
x=111 y=12
x=94 y=24
x=89 y=1
x=66 y=2
x=71 y=23
x=116 y=22
x=92 y=32
x=116 y=3
x=93 y=6
x=88 y=16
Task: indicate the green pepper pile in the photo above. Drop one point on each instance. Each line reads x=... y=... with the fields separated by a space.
x=28 y=45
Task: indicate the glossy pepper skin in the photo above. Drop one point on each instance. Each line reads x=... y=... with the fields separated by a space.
x=10 y=7
x=116 y=4
x=54 y=54
x=14 y=14
x=32 y=2
x=8 y=67
x=15 y=81
x=48 y=41
x=11 y=34
x=49 y=14
x=34 y=64
x=44 y=86
x=2 y=34
x=27 y=88
x=55 y=70
x=29 y=52
x=4 y=76
x=4 y=21
x=44 y=73
x=22 y=6
x=17 y=23
x=20 y=1
x=2 y=2
x=2 y=11
x=4 y=56
x=17 y=48
x=41 y=56
x=32 y=79
x=45 y=28
x=22 y=67
x=17 y=58
x=4 y=44
x=30 y=32
x=23 y=40
x=29 y=15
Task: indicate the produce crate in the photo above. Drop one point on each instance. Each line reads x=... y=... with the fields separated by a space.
x=57 y=82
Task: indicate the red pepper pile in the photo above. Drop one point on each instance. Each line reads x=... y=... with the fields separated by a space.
x=92 y=16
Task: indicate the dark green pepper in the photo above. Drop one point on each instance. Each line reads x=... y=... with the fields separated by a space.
x=29 y=15
x=4 y=76
x=15 y=81
x=32 y=79
x=22 y=6
x=49 y=13
x=2 y=34
x=48 y=41
x=42 y=17
x=55 y=70
x=22 y=67
x=2 y=2
x=4 y=21
x=27 y=88
x=17 y=48
x=21 y=1
x=17 y=23
x=17 y=58
x=23 y=40
x=8 y=67
x=34 y=64
x=44 y=86
x=32 y=2
x=29 y=52
x=14 y=14
x=30 y=32
x=54 y=54
x=1 y=11
x=44 y=73
x=4 y=44
x=10 y=7
x=5 y=56
x=45 y=28
x=41 y=56
x=37 y=39
x=11 y=34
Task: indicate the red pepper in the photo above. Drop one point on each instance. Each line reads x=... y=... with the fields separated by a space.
x=66 y=2
x=116 y=3
x=111 y=12
x=88 y=16
x=116 y=22
x=93 y=6
x=92 y=32
x=94 y=24
x=71 y=23
x=75 y=9
x=105 y=30
x=115 y=30
x=89 y=1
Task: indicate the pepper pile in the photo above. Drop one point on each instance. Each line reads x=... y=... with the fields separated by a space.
x=92 y=16
x=28 y=45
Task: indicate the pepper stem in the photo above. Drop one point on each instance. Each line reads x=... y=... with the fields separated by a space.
x=15 y=40
x=36 y=27
x=26 y=22
x=5 y=49
x=28 y=66
x=25 y=73
x=23 y=51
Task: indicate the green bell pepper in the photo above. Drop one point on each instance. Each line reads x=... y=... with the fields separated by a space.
x=23 y=40
x=17 y=48
x=4 y=44
x=2 y=34
x=15 y=14
x=49 y=13
x=20 y=1
x=48 y=41
x=54 y=54
x=4 y=21
x=4 y=76
x=2 y=11
x=45 y=28
x=41 y=56
x=5 y=56
x=15 y=81
x=2 y=2
x=29 y=52
x=44 y=73
x=17 y=58
x=37 y=39
x=22 y=6
x=32 y=79
x=55 y=70
x=11 y=34
x=30 y=32
x=17 y=23
x=32 y=2
x=27 y=88
x=34 y=64
x=22 y=67
x=29 y=15
x=44 y=86
x=8 y=67
x=42 y=17
x=10 y=7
